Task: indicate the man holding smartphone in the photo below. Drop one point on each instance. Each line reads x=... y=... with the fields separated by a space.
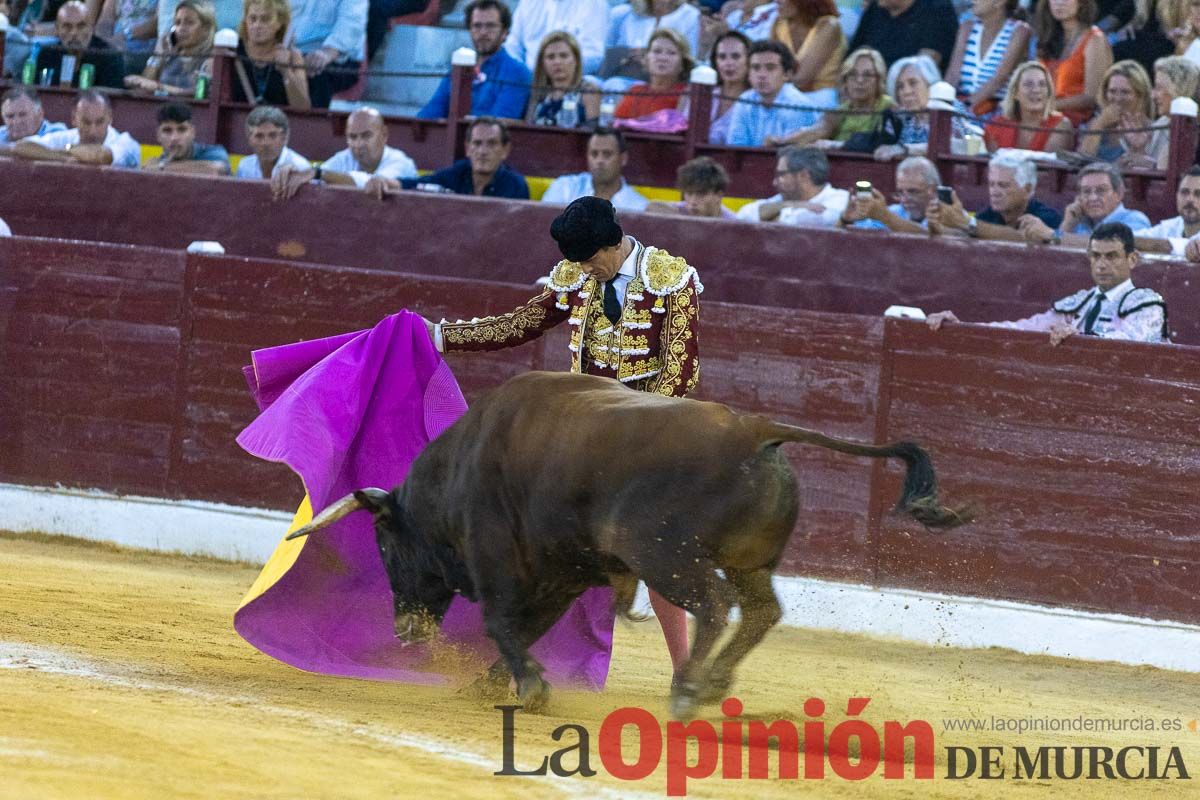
x=916 y=186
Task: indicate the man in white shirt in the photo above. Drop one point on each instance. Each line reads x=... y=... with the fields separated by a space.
x=367 y=162
x=805 y=196
x=1173 y=235
x=586 y=20
x=21 y=110
x=607 y=157
x=267 y=131
x=93 y=140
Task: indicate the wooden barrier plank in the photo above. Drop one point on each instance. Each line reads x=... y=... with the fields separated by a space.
x=1082 y=458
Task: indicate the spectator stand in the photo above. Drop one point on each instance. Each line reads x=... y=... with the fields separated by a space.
x=548 y=152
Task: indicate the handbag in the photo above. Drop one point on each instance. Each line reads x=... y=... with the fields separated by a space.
x=886 y=131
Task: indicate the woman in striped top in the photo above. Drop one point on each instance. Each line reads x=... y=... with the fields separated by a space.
x=989 y=47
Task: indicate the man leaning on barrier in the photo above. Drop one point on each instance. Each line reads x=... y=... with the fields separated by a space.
x=1112 y=309
x=367 y=162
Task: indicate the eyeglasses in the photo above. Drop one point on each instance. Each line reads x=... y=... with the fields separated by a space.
x=1099 y=191
x=911 y=192
x=862 y=76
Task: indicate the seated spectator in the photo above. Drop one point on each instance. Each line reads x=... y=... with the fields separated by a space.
x=1100 y=200
x=631 y=25
x=1125 y=104
x=22 y=112
x=558 y=79
x=75 y=40
x=909 y=81
x=367 y=162
x=1075 y=52
x=916 y=187
x=754 y=19
x=133 y=23
x=267 y=131
x=731 y=59
x=606 y=158
x=534 y=20
x=379 y=17
x=1140 y=30
x=1012 y=180
x=1174 y=76
x=991 y=43
x=1029 y=102
x=93 y=140
x=702 y=182
x=229 y=15
x=1187 y=29
x=268 y=71
x=773 y=106
x=483 y=172
x=332 y=35
x=805 y=196
x=501 y=88
x=180 y=150
x=182 y=55
x=36 y=17
x=16 y=43
x=1172 y=235
x=1112 y=309
x=863 y=96
x=899 y=28
x=668 y=65
x=812 y=30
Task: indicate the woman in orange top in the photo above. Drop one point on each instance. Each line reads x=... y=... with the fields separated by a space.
x=812 y=30
x=668 y=64
x=1074 y=51
x=1029 y=101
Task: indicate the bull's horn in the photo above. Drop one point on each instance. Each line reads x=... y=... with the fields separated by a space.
x=347 y=505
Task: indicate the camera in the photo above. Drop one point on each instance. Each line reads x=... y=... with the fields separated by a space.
x=945 y=195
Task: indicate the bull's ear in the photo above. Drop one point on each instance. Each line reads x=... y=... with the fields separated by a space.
x=374 y=500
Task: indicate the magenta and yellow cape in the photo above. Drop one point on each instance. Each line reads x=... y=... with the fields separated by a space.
x=345 y=413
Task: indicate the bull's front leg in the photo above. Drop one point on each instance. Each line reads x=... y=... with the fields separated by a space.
x=515 y=620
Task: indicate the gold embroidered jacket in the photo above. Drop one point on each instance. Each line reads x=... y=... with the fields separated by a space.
x=653 y=348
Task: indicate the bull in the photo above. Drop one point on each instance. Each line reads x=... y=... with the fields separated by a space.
x=556 y=482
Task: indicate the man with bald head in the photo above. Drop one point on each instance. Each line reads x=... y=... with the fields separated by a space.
x=21 y=110
x=367 y=162
x=93 y=140
x=78 y=45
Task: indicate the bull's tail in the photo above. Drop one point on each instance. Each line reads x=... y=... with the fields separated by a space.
x=919 y=495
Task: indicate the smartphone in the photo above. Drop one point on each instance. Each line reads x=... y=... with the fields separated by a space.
x=945 y=195
x=862 y=189
x=173 y=38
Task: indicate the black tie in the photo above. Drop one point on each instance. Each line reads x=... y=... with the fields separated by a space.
x=612 y=306
x=1089 y=322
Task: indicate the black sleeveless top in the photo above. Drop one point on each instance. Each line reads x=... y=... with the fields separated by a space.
x=266 y=80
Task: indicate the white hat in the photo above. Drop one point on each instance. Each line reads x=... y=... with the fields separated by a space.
x=941 y=95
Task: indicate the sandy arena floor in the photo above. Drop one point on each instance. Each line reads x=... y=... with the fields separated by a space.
x=121 y=677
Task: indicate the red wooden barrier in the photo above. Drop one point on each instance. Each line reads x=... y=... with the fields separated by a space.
x=122 y=372
x=481 y=238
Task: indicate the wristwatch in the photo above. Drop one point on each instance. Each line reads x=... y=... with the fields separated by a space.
x=317 y=173
x=972 y=227
x=1056 y=238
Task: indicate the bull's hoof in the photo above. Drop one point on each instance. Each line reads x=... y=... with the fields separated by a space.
x=715 y=689
x=534 y=693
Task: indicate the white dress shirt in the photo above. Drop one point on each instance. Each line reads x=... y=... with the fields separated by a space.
x=126 y=152
x=749 y=212
x=586 y=20
x=568 y=188
x=394 y=164
x=249 y=169
x=628 y=29
x=1171 y=230
x=834 y=201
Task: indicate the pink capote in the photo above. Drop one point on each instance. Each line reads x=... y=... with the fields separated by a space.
x=354 y=411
